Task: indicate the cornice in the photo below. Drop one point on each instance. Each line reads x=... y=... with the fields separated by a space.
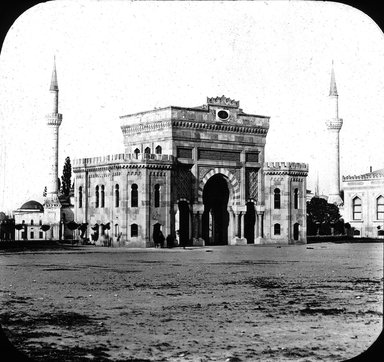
x=286 y=173
x=194 y=125
x=103 y=168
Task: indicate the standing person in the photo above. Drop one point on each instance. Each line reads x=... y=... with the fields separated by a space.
x=161 y=239
x=170 y=241
x=156 y=235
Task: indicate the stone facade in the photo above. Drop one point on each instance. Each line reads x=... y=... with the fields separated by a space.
x=193 y=173
x=285 y=202
x=364 y=203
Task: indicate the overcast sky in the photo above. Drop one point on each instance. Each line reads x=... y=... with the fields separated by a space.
x=116 y=57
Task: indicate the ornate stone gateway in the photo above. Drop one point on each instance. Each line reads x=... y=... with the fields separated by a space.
x=200 y=173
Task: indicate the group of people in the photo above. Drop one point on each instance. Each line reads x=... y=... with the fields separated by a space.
x=159 y=239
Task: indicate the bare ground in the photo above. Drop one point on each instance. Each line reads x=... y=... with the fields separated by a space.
x=319 y=302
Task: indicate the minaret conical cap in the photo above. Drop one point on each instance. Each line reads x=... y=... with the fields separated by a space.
x=333 y=88
x=54 y=84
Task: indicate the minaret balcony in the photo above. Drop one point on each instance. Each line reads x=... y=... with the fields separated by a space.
x=334 y=124
x=54 y=119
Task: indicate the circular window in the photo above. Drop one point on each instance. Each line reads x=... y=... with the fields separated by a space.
x=223 y=115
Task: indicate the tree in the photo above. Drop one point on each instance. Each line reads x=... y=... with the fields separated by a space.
x=321 y=216
x=45 y=191
x=66 y=177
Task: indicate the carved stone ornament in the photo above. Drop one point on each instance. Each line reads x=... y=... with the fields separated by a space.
x=223 y=101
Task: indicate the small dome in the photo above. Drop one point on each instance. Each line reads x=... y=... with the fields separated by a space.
x=32 y=205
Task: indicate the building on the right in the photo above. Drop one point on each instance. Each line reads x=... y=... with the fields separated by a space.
x=364 y=203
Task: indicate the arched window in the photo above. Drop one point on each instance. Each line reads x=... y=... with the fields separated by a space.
x=97 y=196
x=134 y=230
x=276 y=198
x=102 y=196
x=296 y=199
x=147 y=150
x=136 y=151
x=157 y=195
x=158 y=150
x=117 y=195
x=356 y=208
x=80 y=197
x=32 y=222
x=116 y=230
x=276 y=229
x=380 y=208
x=134 y=196
x=40 y=222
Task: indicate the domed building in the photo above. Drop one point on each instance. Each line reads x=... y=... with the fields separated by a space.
x=30 y=215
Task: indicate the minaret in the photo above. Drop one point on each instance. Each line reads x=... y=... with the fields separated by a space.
x=334 y=124
x=52 y=206
x=53 y=121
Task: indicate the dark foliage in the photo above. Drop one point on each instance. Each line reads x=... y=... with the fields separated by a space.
x=66 y=177
x=322 y=216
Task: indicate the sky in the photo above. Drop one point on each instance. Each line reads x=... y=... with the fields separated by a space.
x=120 y=57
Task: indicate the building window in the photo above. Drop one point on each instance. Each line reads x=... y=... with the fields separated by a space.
x=276 y=198
x=276 y=229
x=32 y=222
x=116 y=230
x=32 y=235
x=80 y=197
x=157 y=195
x=41 y=235
x=134 y=196
x=147 y=150
x=40 y=222
x=134 y=230
x=380 y=208
x=97 y=196
x=356 y=208
x=296 y=199
x=136 y=151
x=117 y=195
x=102 y=196
x=158 y=150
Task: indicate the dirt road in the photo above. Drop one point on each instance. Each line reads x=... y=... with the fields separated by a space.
x=244 y=303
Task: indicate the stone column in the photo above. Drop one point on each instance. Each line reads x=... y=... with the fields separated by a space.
x=260 y=221
x=236 y=225
x=100 y=240
x=197 y=210
x=242 y=214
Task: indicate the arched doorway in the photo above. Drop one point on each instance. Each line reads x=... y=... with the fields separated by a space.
x=183 y=223
x=215 y=216
x=296 y=231
x=249 y=223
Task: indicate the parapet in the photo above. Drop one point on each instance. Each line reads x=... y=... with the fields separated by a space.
x=219 y=111
x=365 y=177
x=286 y=168
x=122 y=158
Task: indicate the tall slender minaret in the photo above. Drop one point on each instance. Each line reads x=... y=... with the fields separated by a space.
x=334 y=124
x=54 y=119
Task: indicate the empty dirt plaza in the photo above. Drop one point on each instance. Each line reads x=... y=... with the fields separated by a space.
x=314 y=302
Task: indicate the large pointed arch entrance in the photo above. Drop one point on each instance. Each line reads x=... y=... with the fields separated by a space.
x=215 y=219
